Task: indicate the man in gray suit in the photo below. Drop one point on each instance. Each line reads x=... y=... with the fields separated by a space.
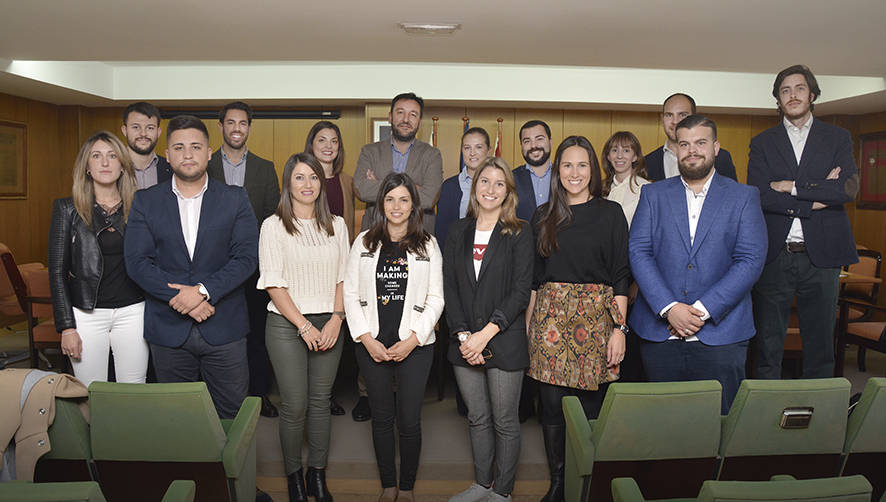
x=401 y=153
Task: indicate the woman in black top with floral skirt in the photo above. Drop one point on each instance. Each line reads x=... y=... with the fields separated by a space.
x=579 y=299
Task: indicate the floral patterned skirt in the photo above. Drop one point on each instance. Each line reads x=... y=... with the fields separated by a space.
x=569 y=334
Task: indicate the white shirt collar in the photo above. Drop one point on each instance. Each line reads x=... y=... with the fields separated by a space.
x=704 y=189
x=792 y=128
x=178 y=193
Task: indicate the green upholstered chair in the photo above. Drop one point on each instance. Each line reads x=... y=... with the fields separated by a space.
x=756 y=446
x=144 y=436
x=25 y=491
x=181 y=490
x=664 y=434
x=780 y=488
x=865 y=448
x=70 y=457
x=81 y=491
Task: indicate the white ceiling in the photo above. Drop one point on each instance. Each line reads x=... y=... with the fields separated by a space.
x=837 y=38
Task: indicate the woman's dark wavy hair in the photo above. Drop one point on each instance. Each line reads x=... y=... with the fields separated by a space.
x=322 y=215
x=339 y=161
x=416 y=237
x=557 y=211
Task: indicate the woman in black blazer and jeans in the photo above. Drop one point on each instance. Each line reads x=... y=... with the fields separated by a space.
x=487 y=276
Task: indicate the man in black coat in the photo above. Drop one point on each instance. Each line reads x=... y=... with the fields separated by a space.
x=234 y=164
x=661 y=163
x=806 y=174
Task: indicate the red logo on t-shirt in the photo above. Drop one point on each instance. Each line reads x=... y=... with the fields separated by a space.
x=479 y=250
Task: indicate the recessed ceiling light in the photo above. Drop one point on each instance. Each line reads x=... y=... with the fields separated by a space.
x=430 y=28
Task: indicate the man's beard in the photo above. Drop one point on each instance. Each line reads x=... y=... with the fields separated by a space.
x=695 y=173
x=541 y=160
x=141 y=151
x=401 y=138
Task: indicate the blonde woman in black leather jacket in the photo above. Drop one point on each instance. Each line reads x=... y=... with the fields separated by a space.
x=97 y=307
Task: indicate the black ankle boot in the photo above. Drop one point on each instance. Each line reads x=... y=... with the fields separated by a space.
x=296 y=484
x=316 y=482
x=555 y=448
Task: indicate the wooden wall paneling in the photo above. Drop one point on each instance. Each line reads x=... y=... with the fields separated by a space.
x=449 y=130
x=733 y=132
x=98 y=119
x=596 y=125
x=353 y=132
x=43 y=185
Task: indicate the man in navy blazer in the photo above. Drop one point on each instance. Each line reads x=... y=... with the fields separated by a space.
x=533 y=179
x=674 y=109
x=697 y=246
x=806 y=174
x=190 y=243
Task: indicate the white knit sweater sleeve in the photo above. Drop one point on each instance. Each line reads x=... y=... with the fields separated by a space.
x=270 y=254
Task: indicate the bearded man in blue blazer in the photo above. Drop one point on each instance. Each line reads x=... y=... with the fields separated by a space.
x=697 y=246
x=190 y=243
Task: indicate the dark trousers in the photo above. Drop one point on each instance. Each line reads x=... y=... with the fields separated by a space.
x=816 y=289
x=259 y=364
x=551 y=399
x=404 y=408
x=679 y=361
x=224 y=368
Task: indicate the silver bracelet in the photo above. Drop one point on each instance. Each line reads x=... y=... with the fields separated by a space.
x=304 y=330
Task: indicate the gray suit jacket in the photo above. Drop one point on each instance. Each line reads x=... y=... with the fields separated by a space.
x=425 y=167
x=260 y=182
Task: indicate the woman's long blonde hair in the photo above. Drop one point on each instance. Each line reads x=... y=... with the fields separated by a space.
x=510 y=224
x=83 y=191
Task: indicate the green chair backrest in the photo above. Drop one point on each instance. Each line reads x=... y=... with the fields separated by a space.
x=154 y=422
x=80 y=491
x=866 y=431
x=181 y=490
x=848 y=489
x=69 y=432
x=753 y=428
x=662 y=420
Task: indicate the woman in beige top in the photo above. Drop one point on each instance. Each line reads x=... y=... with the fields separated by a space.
x=303 y=251
x=625 y=168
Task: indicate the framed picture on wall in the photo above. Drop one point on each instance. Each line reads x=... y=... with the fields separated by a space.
x=13 y=160
x=872 y=171
x=381 y=130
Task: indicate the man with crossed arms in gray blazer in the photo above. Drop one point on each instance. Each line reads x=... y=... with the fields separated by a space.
x=401 y=153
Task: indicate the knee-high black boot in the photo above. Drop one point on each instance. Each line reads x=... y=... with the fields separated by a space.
x=296 y=484
x=555 y=448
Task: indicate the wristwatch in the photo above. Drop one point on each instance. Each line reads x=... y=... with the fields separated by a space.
x=203 y=291
x=624 y=328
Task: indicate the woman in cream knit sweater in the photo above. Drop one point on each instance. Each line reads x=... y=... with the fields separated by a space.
x=303 y=251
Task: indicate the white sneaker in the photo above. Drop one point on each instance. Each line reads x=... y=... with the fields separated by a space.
x=494 y=497
x=474 y=493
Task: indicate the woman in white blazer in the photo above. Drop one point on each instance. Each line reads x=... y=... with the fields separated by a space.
x=393 y=295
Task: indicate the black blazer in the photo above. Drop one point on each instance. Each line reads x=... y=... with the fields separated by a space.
x=525 y=193
x=500 y=295
x=827 y=232
x=260 y=182
x=655 y=164
x=164 y=170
